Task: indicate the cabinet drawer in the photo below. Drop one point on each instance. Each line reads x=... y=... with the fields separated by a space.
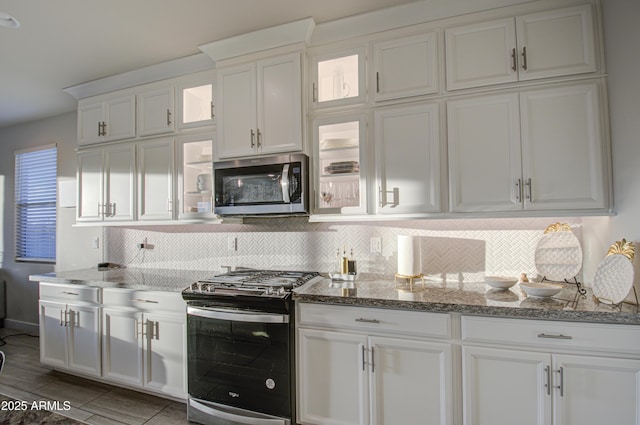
x=61 y=292
x=552 y=334
x=376 y=320
x=144 y=300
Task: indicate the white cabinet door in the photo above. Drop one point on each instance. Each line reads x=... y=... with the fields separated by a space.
x=156 y=180
x=90 y=121
x=485 y=171
x=279 y=103
x=332 y=378
x=556 y=42
x=505 y=387
x=562 y=148
x=410 y=382
x=156 y=112
x=119 y=182
x=406 y=67
x=407 y=140
x=539 y=45
x=196 y=105
x=481 y=54
x=53 y=334
x=84 y=339
x=165 y=354
x=595 y=390
x=120 y=118
x=90 y=185
x=237 y=96
x=122 y=346
x=338 y=78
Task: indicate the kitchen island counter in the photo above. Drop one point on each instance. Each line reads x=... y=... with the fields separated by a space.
x=166 y=280
x=473 y=298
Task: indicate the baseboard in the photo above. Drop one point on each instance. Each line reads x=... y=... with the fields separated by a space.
x=30 y=328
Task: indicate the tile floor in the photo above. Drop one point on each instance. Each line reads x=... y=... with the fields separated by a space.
x=25 y=378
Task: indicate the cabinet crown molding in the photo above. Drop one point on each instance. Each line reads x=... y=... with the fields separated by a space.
x=265 y=39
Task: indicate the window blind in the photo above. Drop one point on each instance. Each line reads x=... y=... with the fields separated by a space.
x=35 y=198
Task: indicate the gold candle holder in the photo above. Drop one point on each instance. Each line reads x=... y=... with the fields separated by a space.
x=414 y=283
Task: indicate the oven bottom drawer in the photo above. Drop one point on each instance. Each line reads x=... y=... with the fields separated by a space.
x=207 y=413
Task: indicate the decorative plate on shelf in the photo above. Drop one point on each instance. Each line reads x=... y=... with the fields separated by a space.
x=614 y=276
x=338 y=143
x=558 y=254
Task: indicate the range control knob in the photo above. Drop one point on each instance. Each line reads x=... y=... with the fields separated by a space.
x=281 y=291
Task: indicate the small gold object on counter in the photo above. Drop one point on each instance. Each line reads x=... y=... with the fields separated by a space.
x=407 y=283
x=523 y=278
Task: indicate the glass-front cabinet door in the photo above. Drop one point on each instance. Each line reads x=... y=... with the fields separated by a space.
x=196 y=105
x=340 y=164
x=195 y=180
x=338 y=78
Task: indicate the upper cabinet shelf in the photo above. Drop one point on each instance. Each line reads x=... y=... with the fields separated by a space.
x=527 y=47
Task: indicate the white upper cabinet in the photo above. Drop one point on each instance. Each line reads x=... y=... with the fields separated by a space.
x=261 y=107
x=408 y=159
x=406 y=67
x=195 y=176
x=108 y=120
x=541 y=149
x=196 y=106
x=106 y=184
x=156 y=111
x=538 y=45
x=338 y=78
x=156 y=180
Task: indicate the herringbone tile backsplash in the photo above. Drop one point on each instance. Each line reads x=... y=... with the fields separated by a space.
x=452 y=250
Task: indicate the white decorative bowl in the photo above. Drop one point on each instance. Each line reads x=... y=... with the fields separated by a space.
x=540 y=290
x=500 y=282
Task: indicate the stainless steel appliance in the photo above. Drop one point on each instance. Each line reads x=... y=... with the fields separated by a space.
x=268 y=185
x=240 y=347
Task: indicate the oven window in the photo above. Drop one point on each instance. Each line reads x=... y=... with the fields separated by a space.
x=240 y=364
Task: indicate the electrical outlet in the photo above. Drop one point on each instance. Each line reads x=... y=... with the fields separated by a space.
x=95 y=243
x=145 y=245
x=375 y=244
x=232 y=243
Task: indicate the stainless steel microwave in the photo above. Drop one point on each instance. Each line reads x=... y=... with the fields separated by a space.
x=275 y=185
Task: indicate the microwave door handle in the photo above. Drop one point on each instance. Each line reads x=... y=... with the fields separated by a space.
x=285 y=184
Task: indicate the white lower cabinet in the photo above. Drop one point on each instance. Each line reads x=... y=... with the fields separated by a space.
x=144 y=340
x=69 y=329
x=364 y=372
x=554 y=380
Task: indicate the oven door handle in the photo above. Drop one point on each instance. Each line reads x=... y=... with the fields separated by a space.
x=233 y=415
x=237 y=315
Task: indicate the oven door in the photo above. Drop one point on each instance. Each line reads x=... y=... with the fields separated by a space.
x=240 y=359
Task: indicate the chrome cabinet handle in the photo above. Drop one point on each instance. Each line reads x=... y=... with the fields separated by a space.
x=169 y=206
x=314 y=93
x=514 y=67
x=377 y=82
x=139 y=300
x=112 y=209
x=528 y=196
x=547 y=385
x=363 y=320
x=373 y=360
x=212 y=107
x=253 y=135
x=524 y=58
x=61 y=320
x=168 y=117
x=561 y=376
x=99 y=128
x=554 y=336
x=104 y=129
x=69 y=293
x=383 y=197
x=136 y=331
x=519 y=190
x=364 y=361
x=258 y=138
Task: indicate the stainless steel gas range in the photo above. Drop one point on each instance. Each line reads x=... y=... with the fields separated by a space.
x=240 y=347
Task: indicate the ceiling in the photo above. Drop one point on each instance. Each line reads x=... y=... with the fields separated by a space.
x=64 y=43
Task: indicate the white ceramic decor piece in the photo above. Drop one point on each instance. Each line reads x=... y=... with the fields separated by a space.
x=614 y=276
x=558 y=254
x=500 y=282
x=540 y=290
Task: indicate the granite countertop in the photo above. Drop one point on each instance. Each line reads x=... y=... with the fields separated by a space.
x=469 y=298
x=166 y=280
